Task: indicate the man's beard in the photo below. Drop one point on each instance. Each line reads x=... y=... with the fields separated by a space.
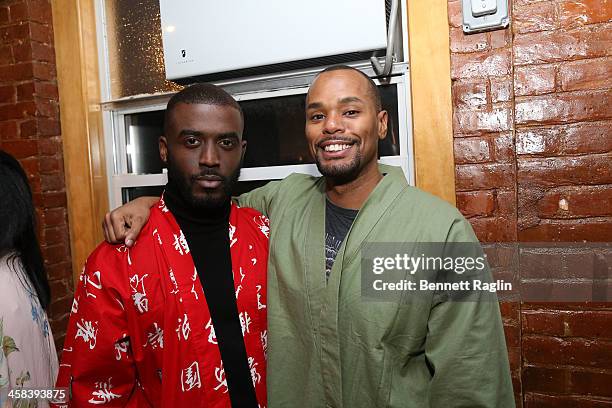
x=184 y=185
x=341 y=173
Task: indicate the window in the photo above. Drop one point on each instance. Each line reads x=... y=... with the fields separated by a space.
x=136 y=93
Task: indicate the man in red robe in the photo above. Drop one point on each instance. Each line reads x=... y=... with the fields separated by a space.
x=179 y=319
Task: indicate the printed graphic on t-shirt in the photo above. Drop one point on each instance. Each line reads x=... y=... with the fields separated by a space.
x=332 y=246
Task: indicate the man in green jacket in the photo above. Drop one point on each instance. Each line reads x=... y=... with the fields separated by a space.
x=327 y=345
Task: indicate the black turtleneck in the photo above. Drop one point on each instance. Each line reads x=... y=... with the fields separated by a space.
x=207 y=234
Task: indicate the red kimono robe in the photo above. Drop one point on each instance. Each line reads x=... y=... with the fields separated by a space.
x=140 y=332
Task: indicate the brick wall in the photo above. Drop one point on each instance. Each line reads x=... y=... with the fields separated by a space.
x=533 y=153
x=30 y=130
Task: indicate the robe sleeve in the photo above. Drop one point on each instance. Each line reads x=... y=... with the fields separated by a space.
x=97 y=366
x=261 y=198
x=466 y=348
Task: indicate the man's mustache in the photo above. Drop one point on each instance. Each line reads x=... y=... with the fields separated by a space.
x=208 y=173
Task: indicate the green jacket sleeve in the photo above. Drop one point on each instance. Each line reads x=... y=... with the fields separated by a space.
x=466 y=348
x=262 y=199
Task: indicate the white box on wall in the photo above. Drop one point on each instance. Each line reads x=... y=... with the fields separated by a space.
x=209 y=36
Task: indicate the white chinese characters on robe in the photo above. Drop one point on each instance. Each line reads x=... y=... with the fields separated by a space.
x=141 y=316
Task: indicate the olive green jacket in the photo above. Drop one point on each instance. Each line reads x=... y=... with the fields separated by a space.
x=328 y=347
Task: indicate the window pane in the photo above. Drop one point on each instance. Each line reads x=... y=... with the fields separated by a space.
x=142 y=133
x=130 y=193
x=274 y=129
x=135 y=49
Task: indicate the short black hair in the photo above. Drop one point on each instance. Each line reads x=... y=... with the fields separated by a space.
x=374 y=92
x=202 y=93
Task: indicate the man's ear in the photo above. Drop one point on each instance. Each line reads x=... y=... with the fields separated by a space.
x=382 y=119
x=163 y=149
x=243 y=144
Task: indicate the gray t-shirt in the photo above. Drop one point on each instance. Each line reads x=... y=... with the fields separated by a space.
x=338 y=221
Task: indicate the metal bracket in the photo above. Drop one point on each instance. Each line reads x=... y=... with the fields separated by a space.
x=472 y=24
x=386 y=70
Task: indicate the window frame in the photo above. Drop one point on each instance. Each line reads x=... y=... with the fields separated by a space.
x=276 y=87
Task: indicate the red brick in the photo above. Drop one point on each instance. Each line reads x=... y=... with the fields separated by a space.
x=40 y=11
x=14 y=33
x=4 y=15
x=18 y=12
x=8 y=130
x=510 y=311
x=55 y=235
x=543 y=322
x=481 y=64
x=477 y=122
x=580 y=138
x=50 y=146
x=41 y=33
x=476 y=203
x=22 y=51
x=591 y=383
x=566 y=401
x=61 y=306
x=28 y=128
x=589 y=323
x=49 y=164
x=575 y=13
x=54 y=200
x=467 y=94
x=563 y=108
x=503 y=148
x=47 y=107
x=582 y=201
x=54 y=216
x=558 y=231
x=21 y=148
x=46 y=90
x=504 y=256
x=534 y=17
x=48 y=127
x=534 y=80
x=494 y=229
x=589 y=74
x=25 y=91
x=559 y=171
x=471 y=150
x=16 y=72
x=540 y=264
x=6 y=55
x=499 y=38
x=59 y=271
x=7 y=94
x=512 y=334
x=541 y=379
x=59 y=289
x=44 y=71
x=501 y=89
x=483 y=176
x=55 y=254
x=42 y=52
x=51 y=182
x=461 y=42
x=30 y=167
x=571 y=351
x=553 y=46
x=455 y=15
x=17 y=111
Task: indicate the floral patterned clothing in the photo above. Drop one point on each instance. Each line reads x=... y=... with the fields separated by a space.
x=140 y=332
x=27 y=357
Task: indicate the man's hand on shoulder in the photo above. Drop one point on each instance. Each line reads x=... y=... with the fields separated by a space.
x=123 y=224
